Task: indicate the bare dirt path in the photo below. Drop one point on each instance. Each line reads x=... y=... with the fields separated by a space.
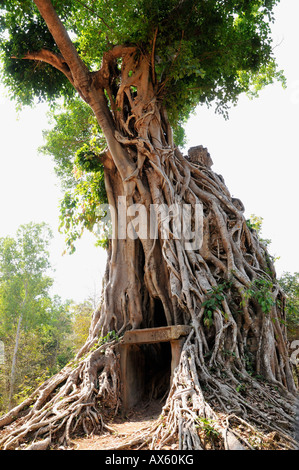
x=124 y=428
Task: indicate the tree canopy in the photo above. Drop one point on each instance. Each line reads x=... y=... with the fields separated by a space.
x=201 y=51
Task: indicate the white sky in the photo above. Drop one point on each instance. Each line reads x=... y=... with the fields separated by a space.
x=256 y=152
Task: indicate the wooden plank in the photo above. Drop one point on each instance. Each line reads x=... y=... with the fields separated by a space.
x=156 y=335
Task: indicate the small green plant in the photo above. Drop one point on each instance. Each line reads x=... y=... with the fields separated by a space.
x=207 y=426
x=229 y=353
x=255 y=223
x=111 y=335
x=261 y=291
x=213 y=302
x=241 y=388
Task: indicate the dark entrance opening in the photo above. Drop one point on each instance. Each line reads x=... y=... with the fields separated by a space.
x=157 y=370
x=159 y=315
x=148 y=358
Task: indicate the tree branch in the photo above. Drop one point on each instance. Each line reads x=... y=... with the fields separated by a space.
x=80 y=73
x=56 y=60
x=153 y=57
x=87 y=83
x=102 y=76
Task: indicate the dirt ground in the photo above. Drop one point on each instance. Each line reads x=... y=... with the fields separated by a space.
x=124 y=428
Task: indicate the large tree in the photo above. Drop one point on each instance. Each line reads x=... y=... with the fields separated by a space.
x=32 y=324
x=142 y=67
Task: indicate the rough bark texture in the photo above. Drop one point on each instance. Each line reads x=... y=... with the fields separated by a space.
x=154 y=282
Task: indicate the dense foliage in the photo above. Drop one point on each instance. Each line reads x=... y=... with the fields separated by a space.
x=288 y=281
x=290 y=284
x=39 y=331
x=75 y=143
x=202 y=52
x=205 y=51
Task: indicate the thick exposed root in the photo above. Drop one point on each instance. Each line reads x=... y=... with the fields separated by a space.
x=67 y=403
x=206 y=412
x=216 y=399
x=225 y=288
x=202 y=411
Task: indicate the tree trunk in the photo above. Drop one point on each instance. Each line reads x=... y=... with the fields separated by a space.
x=224 y=287
x=13 y=364
x=15 y=353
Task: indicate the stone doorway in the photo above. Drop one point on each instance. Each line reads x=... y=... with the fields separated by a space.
x=148 y=358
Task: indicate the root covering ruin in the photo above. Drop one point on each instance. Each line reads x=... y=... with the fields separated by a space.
x=234 y=387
